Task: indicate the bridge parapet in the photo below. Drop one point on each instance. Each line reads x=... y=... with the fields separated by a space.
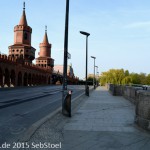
x=142 y=117
x=140 y=96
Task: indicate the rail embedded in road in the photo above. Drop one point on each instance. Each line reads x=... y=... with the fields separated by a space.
x=11 y=102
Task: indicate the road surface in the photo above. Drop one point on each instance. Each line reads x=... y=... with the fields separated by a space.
x=21 y=107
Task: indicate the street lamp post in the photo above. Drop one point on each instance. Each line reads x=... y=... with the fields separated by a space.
x=94 y=71
x=65 y=58
x=86 y=85
x=98 y=78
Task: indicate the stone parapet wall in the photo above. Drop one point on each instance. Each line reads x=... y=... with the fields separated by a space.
x=142 y=112
x=140 y=97
x=116 y=90
x=131 y=93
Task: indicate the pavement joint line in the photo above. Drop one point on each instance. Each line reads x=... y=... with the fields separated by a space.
x=34 y=127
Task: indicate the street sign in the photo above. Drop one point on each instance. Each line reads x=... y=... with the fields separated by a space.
x=69 y=55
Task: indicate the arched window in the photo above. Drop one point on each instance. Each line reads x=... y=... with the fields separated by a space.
x=25 y=36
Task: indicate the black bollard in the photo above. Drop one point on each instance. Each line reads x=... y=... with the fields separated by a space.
x=67 y=104
x=87 y=90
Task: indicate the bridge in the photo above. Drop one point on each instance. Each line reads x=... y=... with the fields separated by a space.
x=15 y=72
x=110 y=122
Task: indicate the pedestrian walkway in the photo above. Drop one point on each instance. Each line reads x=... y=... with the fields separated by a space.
x=102 y=122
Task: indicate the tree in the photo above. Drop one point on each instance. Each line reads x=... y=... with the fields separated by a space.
x=148 y=79
x=90 y=79
x=135 y=78
x=126 y=73
x=127 y=80
x=142 y=77
x=119 y=76
x=114 y=76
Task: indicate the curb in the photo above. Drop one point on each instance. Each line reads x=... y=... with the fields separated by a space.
x=34 y=127
x=27 y=135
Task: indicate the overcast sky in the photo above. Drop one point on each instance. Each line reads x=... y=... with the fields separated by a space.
x=120 y=31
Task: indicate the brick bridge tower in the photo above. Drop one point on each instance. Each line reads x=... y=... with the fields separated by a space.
x=44 y=59
x=22 y=41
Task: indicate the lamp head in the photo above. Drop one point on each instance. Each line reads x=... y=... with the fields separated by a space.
x=93 y=57
x=84 y=33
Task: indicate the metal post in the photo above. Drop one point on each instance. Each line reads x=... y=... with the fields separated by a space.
x=98 y=78
x=65 y=57
x=94 y=71
x=86 y=84
x=96 y=75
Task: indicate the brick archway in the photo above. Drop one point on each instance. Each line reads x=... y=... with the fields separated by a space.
x=33 y=80
x=49 y=80
x=1 y=78
x=19 y=79
x=29 y=79
x=25 y=79
x=40 y=79
x=36 y=79
x=7 y=78
x=12 y=78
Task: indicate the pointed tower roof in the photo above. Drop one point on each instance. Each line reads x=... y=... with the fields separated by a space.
x=45 y=40
x=23 y=20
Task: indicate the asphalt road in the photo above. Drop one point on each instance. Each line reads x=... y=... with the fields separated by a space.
x=20 y=108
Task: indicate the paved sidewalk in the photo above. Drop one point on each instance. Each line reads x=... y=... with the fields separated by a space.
x=101 y=122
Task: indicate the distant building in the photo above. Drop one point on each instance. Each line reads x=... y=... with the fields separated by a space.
x=59 y=68
x=90 y=75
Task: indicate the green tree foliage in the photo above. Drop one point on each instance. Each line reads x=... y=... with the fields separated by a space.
x=139 y=78
x=126 y=80
x=135 y=78
x=126 y=73
x=119 y=76
x=148 y=79
x=143 y=78
x=90 y=79
x=114 y=76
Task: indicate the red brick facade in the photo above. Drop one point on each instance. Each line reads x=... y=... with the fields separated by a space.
x=22 y=41
x=16 y=72
x=44 y=59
